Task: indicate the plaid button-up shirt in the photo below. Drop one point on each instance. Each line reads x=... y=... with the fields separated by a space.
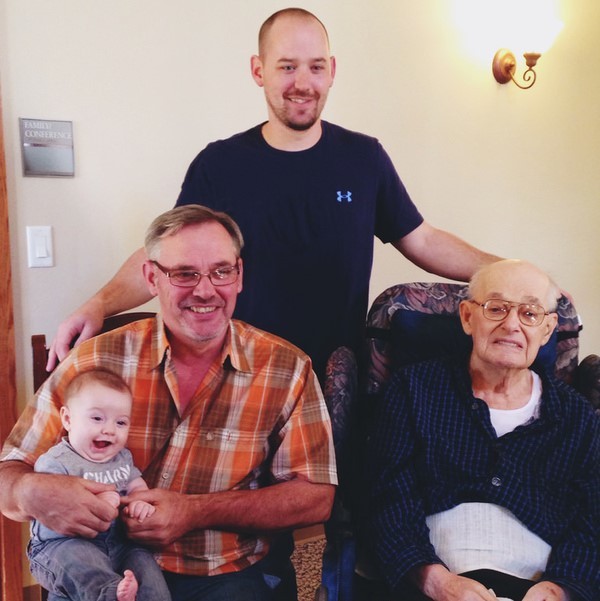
x=257 y=418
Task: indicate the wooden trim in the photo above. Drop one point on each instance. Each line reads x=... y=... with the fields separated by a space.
x=32 y=593
x=10 y=532
x=309 y=533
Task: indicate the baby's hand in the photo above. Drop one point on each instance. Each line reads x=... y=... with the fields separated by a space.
x=111 y=497
x=139 y=510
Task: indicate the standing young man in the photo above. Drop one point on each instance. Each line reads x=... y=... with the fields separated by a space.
x=309 y=197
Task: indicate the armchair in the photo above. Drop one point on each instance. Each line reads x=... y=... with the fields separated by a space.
x=408 y=323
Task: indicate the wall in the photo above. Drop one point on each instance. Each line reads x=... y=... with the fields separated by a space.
x=147 y=85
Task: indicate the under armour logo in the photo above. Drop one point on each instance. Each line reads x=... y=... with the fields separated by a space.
x=347 y=197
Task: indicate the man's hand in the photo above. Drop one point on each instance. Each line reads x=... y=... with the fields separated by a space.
x=459 y=588
x=170 y=520
x=440 y=584
x=546 y=591
x=283 y=506
x=66 y=504
x=79 y=326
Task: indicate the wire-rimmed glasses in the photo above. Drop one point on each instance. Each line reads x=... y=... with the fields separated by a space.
x=188 y=278
x=529 y=314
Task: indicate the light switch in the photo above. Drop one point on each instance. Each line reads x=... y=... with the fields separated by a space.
x=39 y=246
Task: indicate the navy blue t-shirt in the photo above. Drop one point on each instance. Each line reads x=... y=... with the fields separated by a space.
x=308 y=220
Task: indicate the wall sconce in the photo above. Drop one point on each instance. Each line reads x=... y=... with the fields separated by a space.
x=537 y=31
x=505 y=64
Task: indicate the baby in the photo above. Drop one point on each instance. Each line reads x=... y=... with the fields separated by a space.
x=96 y=415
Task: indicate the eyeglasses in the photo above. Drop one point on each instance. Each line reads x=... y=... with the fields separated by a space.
x=187 y=278
x=497 y=310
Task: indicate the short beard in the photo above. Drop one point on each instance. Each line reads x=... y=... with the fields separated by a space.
x=300 y=126
x=283 y=118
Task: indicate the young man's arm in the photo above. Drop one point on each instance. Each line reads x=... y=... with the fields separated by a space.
x=442 y=253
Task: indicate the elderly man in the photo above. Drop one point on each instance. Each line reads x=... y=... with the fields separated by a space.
x=228 y=425
x=485 y=474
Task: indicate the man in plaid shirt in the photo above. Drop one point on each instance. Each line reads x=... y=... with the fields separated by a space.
x=228 y=425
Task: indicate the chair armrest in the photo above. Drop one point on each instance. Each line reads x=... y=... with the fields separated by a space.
x=586 y=380
x=340 y=392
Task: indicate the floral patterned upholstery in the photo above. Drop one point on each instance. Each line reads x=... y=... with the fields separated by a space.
x=442 y=299
x=341 y=395
x=341 y=392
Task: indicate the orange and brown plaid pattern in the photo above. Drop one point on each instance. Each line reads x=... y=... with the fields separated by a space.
x=257 y=418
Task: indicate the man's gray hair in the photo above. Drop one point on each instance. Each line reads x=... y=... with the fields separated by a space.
x=173 y=221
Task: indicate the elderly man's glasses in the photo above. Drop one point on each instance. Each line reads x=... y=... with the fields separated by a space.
x=187 y=278
x=497 y=310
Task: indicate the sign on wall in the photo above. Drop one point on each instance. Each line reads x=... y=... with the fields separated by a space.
x=47 y=148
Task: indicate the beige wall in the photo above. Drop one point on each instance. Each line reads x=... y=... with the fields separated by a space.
x=148 y=84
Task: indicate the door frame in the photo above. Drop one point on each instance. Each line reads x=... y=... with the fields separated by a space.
x=10 y=532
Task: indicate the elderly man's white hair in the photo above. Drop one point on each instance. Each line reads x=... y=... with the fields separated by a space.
x=553 y=289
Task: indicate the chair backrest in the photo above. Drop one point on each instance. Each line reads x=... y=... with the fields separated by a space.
x=418 y=321
x=40 y=350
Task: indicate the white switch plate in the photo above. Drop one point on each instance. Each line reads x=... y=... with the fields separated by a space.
x=40 y=252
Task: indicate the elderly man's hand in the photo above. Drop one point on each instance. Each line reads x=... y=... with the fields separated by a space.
x=438 y=583
x=546 y=591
